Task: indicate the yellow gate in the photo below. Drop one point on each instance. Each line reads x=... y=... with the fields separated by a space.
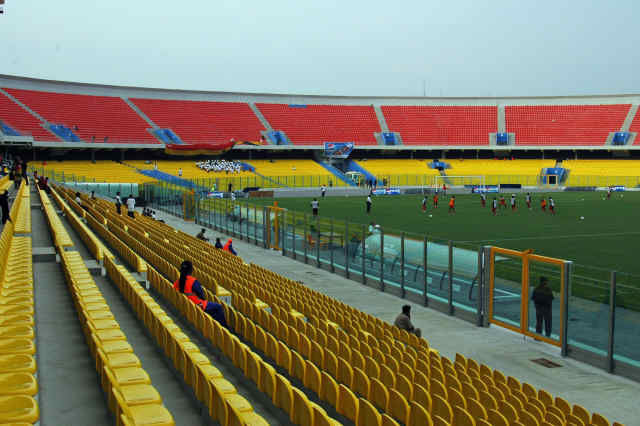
x=514 y=275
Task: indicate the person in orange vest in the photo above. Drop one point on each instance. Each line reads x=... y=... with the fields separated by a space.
x=190 y=287
x=543 y=205
x=229 y=247
x=452 y=204
x=435 y=200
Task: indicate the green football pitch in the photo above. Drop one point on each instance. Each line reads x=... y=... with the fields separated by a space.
x=608 y=238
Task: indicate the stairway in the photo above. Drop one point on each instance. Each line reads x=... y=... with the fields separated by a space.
x=337 y=173
x=260 y=116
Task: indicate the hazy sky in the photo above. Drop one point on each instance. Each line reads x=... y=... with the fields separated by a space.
x=349 y=47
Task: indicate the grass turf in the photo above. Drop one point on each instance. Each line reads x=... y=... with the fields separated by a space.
x=607 y=238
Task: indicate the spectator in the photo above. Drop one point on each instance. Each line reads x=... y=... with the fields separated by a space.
x=542 y=299
x=191 y=287
x=229 y=247
x=4 y=206
x=78 y=199
x=131 y=206
x=201 y=236
x=93 y=195
x=403 y=321
x=180 y=172
x=218 y=244
x=220 y=166
x=118 y=203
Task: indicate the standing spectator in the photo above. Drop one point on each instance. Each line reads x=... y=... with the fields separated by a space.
x=93 y=195
x=230 y=187
x=218 y=244
x=180 y=172
x=131 y=206
x=369 y=202
x=314 y=207
x=542 y=299
x=118 y=203
x=4 y=206
x=403 y=321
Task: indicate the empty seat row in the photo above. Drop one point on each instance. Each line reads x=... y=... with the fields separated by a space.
x=22 y=121
x=91 y=118
x=315 y=124
x=95 y=246
x=203 y=121
x=564 y=124
x=21 y=210
x=131 y=397
x=18 y=380
x=442 y=125
x=59 y=234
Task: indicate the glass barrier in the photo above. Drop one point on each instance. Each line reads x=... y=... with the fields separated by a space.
x=589 y=295
x=627 y=319
x=465 y=276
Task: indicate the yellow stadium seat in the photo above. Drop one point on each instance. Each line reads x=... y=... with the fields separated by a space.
x=302 y=412
x=147 y=414
x=347 y=403
x=329 y=389
x=379 y=394
x=18 y=408
x=368 y=415
x=418 y=415
x=17 y=363
x=18 y=384
x=599 y=420
x=283 y=394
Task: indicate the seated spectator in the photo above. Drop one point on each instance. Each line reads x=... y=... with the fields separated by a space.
x=403 y=321
x=229 y=247
x=218 y=244
x=201 y=236
x=190 y=287
x=220 y=166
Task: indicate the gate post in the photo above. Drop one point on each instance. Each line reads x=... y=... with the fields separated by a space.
x=565 y=311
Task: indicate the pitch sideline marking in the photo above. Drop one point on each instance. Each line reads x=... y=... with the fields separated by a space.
x=554 y=237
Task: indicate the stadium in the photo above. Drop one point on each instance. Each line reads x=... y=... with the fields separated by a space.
x=330 y=213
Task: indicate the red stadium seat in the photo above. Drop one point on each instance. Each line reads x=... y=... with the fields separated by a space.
x=635 y=126
x=315 y=124
x=442 y=125
x=202 y=121
x=564 y=124
x=94 y=116
x=22 y=121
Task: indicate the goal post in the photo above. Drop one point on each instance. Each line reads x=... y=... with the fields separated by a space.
x=459 y=181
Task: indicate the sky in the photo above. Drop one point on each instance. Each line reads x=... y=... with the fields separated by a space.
x=351 y=47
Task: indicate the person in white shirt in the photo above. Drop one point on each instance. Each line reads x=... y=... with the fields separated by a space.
x=180 y=172
x=369 y=202
x=131 y=205
x=513 y=202
x=78 y=199
x=552 y=206
x=314 y=207
x=323 y=190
